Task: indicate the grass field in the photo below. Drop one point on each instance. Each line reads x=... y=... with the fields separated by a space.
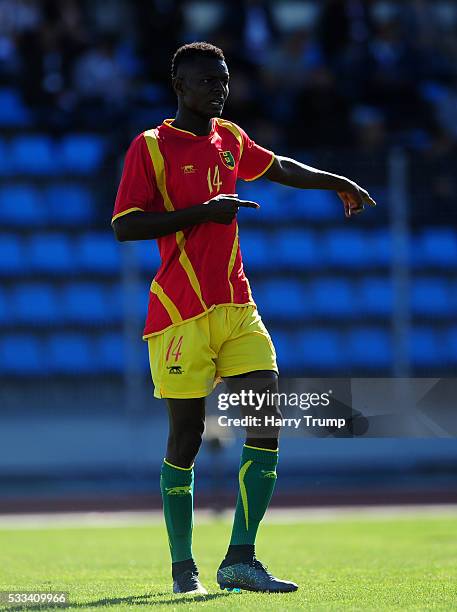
x=372 y=564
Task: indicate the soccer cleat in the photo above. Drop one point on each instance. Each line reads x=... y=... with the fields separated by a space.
x=188 y=582
x=252 y=576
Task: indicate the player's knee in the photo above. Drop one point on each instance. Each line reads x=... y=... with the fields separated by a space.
x=183 y=446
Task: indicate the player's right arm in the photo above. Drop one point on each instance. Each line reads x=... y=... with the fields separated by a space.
x=137 y=214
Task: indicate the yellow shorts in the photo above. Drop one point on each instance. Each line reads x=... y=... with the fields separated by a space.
x=187 y=360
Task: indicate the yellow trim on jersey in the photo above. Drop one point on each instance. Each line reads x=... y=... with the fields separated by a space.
x=159 y=167
x=126 y=212
x=177 y=466
x=187 y=265
x=232 y=261
x=168 y=124
x=201 y=314
x=168 y=304
x=235 y=131
x=263 y=171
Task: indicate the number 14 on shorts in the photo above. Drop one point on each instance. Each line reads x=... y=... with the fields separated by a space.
x=174 y=349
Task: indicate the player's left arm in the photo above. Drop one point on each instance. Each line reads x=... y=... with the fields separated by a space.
x=295 y=174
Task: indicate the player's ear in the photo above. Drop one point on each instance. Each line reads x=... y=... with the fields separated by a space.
x=177 y=83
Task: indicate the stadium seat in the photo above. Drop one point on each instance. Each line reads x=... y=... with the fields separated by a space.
x=318 y=348
x=333 y=298
x=34 y=154
x=427 y=347
x=14 y=112
x=374 y=296
x=295 y=249
x=34 y=304
x=282 y=299
x=312 y=205
x=431 y=296
x=109 y=352
x=22 y=354
x=21 y=206
x=436 y=247
x=51 y=254
x=68 y=204
x=99 y=253
x=70 y=353
x=5 y=158
x=451 y=339
x=369 y=347
x=346 y=248
x=146 y=253
x=264 y=193
x=12 y=259
x=256 y=247
x=379 y=244
x=81 y=153
x=4 y=308
x=84 y=303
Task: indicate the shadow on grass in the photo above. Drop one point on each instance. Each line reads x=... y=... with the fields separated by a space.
x=133 y=600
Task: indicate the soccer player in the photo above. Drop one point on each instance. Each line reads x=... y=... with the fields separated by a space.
x=179 y=186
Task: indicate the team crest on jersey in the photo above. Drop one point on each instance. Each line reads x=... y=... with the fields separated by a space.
x=228 y=159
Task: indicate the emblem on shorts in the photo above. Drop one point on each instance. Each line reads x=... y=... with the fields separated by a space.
x=175 y=369
x=228 y=159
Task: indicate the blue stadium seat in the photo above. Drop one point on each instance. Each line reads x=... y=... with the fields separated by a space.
x=282 y=341
x=318 y=348
x=346 y=248
x=282 y=299
x=21 y=206
x=295 y=249
x=84 y=303
x=68 y=204
x=51 y=253
x=427 y=347
x=12 y=259
x=431 y=296
x=98 y=252
x=109 y=352
x=82 y=153
x=451 y=337
x=379 y=244
x=436 y=247
x=264 y=193
x=34 y=154
x=4 y=307
x=70 y=353
x=369 y=347
x=22 y=354
x=256 y=247
x=34 y=304
x=146 y=253
x=374 y=296
x=14 y=112
x=309 y=205
x=5 y=158
x=333 y=298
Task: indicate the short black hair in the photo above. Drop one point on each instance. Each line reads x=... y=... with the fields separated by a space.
x=195 y=49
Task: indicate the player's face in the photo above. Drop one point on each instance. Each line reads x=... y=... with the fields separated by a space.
x=204 y=86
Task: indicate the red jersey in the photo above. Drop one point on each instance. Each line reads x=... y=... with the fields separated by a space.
x=170 y=169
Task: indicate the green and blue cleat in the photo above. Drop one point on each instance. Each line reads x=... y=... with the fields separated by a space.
x=251 y=576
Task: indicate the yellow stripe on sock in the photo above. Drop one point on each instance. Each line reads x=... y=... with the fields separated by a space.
x=243 y=492
x=177 y=466
x=268 y=450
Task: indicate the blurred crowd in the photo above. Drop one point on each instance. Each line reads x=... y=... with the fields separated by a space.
x=365 y=73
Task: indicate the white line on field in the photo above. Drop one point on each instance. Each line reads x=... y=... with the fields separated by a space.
x=75 y=520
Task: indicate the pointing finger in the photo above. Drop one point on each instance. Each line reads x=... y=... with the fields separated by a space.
x=248 y=204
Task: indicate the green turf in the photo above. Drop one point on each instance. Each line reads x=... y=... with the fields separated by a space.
x=402 y=564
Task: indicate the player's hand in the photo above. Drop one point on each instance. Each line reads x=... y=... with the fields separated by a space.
x=354 y=199
x=224 y=207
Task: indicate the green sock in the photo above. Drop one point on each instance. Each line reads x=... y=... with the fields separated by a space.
x=177 y=487
x=257 y=480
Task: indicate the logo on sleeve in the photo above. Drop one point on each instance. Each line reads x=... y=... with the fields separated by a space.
x=227 y=159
